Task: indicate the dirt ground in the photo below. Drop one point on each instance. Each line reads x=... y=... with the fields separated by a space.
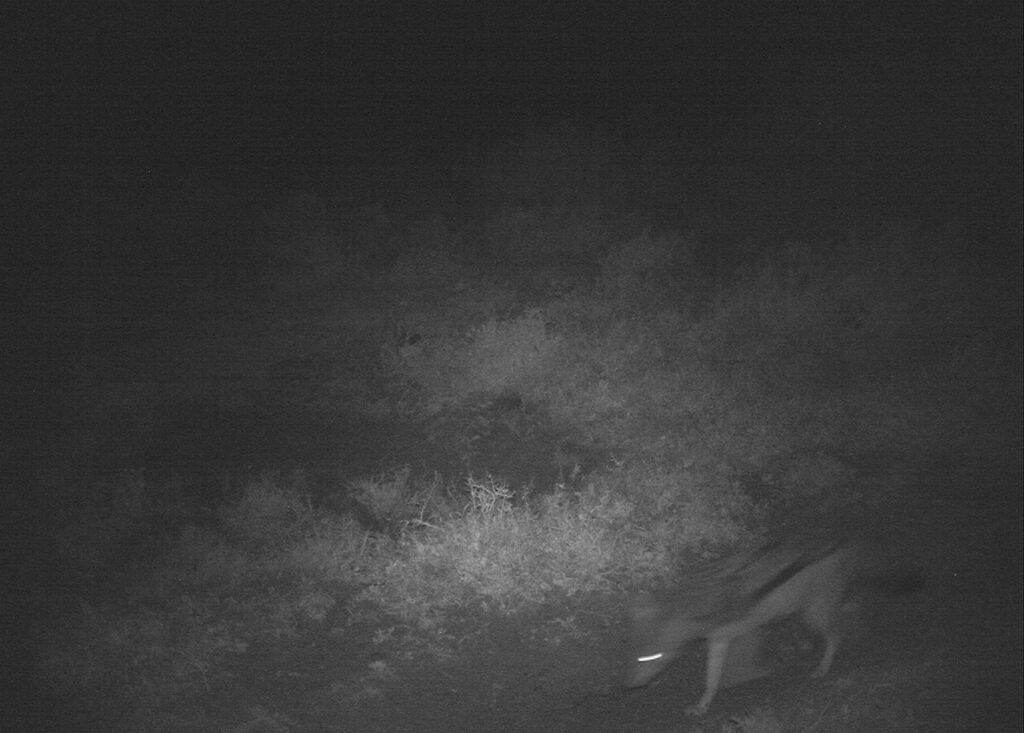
x=946 y=658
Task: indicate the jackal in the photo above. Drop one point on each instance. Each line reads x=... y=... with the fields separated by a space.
x=733 y=598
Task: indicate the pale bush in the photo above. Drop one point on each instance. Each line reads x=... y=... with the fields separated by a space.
x=273 y=511
x=492 y=357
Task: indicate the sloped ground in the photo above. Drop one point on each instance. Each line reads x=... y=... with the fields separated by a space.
x=945 y=658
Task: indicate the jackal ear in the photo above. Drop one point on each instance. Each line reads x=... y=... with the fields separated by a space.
x=643 y=608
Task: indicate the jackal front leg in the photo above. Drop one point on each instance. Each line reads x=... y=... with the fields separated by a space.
x=718 y=650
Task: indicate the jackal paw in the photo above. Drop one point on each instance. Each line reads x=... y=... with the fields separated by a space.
x=697 y=709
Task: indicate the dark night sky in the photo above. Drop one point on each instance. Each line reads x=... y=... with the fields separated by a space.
x=117 y=97
x=482 y=70
x=217 y=79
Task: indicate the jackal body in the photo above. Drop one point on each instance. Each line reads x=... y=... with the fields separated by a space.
x=735 y=597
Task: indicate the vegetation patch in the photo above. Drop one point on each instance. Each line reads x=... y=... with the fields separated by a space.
x=593 y=403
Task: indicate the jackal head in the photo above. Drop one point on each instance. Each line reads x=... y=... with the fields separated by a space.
x=658 y=634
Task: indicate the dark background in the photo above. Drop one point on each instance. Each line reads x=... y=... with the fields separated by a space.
x=187 y=117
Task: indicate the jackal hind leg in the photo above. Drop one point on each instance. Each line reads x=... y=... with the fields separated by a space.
x=820 y=617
